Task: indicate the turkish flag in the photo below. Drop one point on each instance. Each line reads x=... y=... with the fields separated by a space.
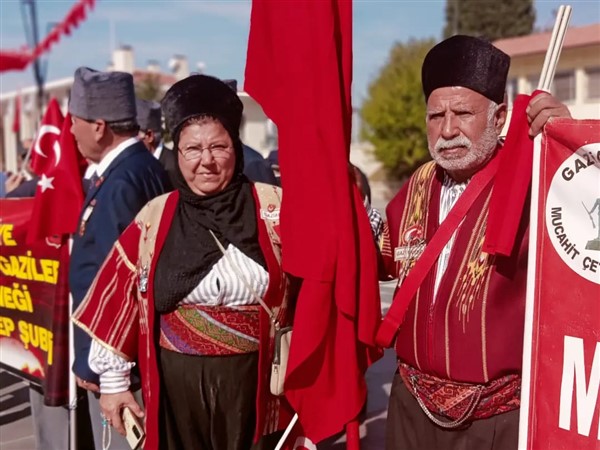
x=46 y=148
x=299 y=68
x=59 y=195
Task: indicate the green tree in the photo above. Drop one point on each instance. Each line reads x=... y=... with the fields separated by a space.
x=393 y=115
x=489 y=19
x=149 y=88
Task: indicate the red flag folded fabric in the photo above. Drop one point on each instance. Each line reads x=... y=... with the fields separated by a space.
x=46 y=150
x=59 y=195
x=299 y=68
x=512 y=183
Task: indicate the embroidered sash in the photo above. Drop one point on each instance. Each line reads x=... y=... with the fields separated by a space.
x=210 y=330
x=461 y=402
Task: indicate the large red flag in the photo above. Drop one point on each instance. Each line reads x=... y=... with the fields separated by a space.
x=46 y=148
x=59 y=195
x=299 y=68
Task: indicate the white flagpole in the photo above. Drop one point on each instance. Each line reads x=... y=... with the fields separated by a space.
x=547 y=75
x=72 y=381
x=287 y=432
x=529 y=302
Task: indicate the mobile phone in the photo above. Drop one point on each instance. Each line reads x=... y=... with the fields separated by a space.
x=134 y=429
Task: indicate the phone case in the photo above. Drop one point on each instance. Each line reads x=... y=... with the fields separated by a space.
x=134 y=429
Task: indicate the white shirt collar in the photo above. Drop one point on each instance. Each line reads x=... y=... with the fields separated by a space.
x=112 y=155
x=158 y=150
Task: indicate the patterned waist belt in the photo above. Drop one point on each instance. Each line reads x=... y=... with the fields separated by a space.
x=461 y=402
x=210 y=330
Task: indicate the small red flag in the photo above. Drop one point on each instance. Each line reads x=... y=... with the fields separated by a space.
x=59 y=195
x=46 y=151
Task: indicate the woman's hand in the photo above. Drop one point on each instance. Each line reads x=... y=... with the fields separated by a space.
x=111 y=406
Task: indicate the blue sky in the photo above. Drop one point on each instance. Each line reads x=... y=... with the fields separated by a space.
x=216 y=32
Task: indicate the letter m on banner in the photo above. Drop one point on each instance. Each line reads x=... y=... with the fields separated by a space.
x=574 y=379
x=561 y=357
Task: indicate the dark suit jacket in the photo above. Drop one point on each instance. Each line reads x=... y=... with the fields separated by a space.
x=132 y=179
x=256 y=168
x=25 y=189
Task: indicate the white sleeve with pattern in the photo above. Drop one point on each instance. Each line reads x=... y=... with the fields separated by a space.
x=113 y=370
x=375 y=219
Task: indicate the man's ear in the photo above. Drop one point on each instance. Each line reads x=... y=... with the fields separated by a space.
x=500 y=117
x=99 y=126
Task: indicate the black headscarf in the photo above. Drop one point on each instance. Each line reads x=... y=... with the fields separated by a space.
x=189 y=251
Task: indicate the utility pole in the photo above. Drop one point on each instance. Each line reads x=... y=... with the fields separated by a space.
x=30 y=23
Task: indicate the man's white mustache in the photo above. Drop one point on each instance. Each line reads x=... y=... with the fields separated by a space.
x=459 y=141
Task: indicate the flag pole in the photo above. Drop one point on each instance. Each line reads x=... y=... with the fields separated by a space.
x=352 y=435
x=287 y=432
x=72 y=381
x=546 y=77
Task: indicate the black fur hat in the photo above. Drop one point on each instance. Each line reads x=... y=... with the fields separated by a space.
x=468 y=62
x=198 y=95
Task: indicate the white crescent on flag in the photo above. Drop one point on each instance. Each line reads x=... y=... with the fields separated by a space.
x=56 y=147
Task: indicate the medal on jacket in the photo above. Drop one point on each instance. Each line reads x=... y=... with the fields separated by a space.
x=407 y=254
x=87 y=213
x=271 y=213
x=143 y=279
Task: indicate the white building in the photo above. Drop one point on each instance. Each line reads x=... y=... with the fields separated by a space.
x=257 y=132
x=577 y=78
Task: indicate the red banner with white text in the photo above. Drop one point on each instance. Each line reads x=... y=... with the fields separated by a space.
x=34 y=308
x=565 y=346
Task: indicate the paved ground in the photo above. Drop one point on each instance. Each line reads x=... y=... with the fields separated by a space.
x=16 y=426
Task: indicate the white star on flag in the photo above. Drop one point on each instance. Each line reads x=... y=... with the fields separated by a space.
x=46 y=183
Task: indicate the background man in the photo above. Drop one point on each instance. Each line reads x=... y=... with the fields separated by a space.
x=149 y=118
x=127 y=176
x=460 y=345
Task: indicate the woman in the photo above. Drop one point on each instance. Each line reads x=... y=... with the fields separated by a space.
x=169 y=298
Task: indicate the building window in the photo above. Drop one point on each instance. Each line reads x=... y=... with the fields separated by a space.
x=593 y=83
x=563 y=86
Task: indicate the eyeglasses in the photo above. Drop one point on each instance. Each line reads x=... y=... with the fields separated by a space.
x=216 y=151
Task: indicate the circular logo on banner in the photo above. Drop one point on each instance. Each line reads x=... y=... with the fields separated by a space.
x=573 y=212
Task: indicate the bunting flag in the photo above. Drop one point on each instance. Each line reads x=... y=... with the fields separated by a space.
x=19 y=60
x=46 y=147
x=59 y=195
x=299 y=68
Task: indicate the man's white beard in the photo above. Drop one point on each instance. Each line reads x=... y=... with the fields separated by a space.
x=477 y=155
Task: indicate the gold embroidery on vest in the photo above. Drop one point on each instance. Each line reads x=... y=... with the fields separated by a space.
x=473 y=271
x=415 y=215
x=413 y=224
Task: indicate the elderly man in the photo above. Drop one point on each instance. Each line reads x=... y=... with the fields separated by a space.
x=127 y=176
x=460 y=344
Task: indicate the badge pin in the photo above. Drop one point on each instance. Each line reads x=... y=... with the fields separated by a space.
x=410 y=252
x=143 y=279
x=269 y=214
